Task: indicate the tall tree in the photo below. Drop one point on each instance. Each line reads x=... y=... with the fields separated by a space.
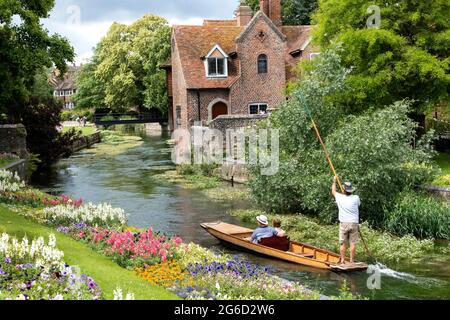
x=26 y=47
x=127 y=64
x=405 y=54
x=295 y=12
x=90 y=89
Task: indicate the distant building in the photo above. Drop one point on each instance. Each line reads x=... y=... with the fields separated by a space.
x=233 y=67
x=65 y=88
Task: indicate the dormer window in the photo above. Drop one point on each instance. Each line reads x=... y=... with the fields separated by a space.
x=216 y=67
x=216 y=63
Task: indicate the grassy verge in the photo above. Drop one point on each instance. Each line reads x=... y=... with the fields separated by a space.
x=113 y=143
x=384 y=246
x=85 y=131
x=105 y=272
x=443 y=161
x=212 y=187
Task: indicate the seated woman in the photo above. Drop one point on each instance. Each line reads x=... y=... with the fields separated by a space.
x=263 y=231
x=277 y=227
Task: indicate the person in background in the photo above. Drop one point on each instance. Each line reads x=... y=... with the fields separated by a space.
x=263 y=231
x=348 y=205
x=277 y=226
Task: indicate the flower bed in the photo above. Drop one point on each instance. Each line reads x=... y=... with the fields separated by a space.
x=10 y=182
x=95 y=215
x=36 y=271
x=189 y=270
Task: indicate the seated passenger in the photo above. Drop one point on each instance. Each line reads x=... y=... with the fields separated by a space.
x=263 y=231
x=277 y=227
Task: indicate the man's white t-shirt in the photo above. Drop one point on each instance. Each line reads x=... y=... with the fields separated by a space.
x=348 y=208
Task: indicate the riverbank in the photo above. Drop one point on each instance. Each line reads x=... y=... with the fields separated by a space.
x=107 y=250
x=385 y=247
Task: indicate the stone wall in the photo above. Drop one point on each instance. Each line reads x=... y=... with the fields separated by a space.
x=440 y=192
x=13 y=139
x=224 y=123
x=86 y=141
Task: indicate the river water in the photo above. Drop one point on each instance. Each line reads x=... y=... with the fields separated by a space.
x=128 y=181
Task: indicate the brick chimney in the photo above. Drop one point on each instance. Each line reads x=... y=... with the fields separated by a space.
x=264 y=6
x=272 y=9
x=243 y=15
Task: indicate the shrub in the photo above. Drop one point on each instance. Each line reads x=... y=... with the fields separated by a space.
x=41 y=118
x=420 y=215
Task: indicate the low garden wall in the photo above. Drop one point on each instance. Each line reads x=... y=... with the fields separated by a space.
x=440 y=192
x=13 y=139
x=20 y=167
x=226 y=122
x=86 y=141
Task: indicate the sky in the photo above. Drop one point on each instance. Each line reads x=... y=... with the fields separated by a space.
x=85 y=22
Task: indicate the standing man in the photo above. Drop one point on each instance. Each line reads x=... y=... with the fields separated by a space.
x=348 y=205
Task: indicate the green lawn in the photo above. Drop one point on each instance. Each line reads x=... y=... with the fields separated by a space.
x=104 y=271
x=443 y=161
x=85 y=131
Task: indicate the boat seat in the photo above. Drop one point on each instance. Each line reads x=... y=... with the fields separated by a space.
x=279 y=243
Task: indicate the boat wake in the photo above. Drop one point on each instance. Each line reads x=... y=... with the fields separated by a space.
x=408 y=277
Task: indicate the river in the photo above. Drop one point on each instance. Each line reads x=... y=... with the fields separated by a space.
x=128 y=181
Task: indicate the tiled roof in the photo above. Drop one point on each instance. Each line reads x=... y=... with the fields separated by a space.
x=194 y=43
x=68 y=82
x=220 y=23
x=297 y=38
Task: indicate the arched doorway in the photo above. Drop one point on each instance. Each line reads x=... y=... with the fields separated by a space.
x=218 y=109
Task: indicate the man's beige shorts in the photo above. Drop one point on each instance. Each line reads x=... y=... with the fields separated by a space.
x=348 y=233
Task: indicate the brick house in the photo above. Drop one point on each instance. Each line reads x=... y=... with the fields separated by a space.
x=64 y=88
x=233 y=67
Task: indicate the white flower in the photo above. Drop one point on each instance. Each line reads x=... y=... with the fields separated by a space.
x=118 y=295
x=10 y=182
x=42 y=255
x=90 y=213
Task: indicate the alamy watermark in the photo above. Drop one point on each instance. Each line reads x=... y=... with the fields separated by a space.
x=73 y=15
x=253 y=147
x=374 y=21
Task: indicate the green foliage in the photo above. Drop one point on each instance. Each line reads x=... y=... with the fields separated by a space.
x=378 y=151
x=90 y=89
x=25 y=48
x=42 y=118
x=419 y=215
x=294 y=12
x=125 y=70
x=72 y=115
x=406 y=58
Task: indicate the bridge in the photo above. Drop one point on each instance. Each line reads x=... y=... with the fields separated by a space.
x=109 y=119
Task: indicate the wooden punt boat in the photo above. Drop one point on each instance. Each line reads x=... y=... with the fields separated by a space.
x=290 y=251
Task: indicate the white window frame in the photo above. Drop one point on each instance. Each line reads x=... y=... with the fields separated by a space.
x=259 y=104
x=225 y=67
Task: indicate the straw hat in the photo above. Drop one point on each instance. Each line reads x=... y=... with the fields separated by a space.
x=263 y=220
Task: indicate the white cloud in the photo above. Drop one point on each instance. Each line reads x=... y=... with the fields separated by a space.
x=95 y=17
